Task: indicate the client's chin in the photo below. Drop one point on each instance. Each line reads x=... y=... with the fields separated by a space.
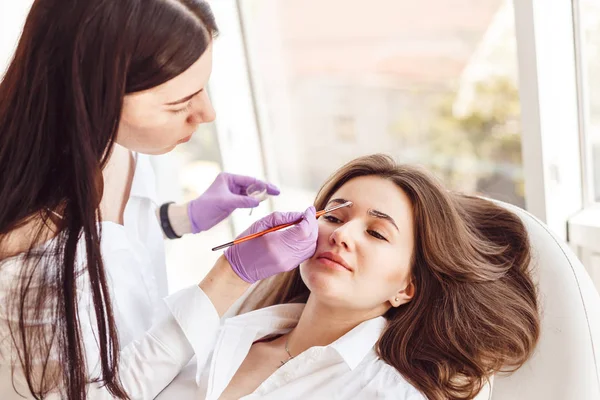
x=325 y=280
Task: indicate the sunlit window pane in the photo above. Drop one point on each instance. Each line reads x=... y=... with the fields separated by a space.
x=335 y=79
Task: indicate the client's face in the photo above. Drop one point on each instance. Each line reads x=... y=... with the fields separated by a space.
x=363 y=252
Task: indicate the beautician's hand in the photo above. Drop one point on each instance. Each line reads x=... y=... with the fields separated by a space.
x=226 y=193
x=274 y=252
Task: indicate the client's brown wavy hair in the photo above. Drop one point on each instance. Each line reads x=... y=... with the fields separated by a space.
x=475 y=308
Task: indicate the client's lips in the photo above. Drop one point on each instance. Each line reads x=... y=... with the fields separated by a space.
x=335 y=258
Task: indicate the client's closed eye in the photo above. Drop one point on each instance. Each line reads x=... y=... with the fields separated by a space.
x=374 y=233
x=332 y=219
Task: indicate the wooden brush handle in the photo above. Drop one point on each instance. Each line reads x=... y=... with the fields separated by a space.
x=273 y=229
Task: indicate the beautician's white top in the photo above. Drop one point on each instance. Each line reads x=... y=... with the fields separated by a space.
x=153 y=337
x=346 y=369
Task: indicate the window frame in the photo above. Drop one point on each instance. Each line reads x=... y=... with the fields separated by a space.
x=233 y=98
x=584 y=226
x=548 y=87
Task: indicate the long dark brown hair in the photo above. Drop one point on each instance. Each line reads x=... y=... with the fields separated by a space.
x=475 y=308
x=60 y=107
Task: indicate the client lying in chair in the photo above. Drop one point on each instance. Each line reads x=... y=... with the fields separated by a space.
x=414 y=292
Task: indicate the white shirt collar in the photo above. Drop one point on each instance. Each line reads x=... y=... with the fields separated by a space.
x=279 y=319
x=356 y=344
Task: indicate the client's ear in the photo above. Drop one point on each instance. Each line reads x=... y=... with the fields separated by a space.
x=404 y=296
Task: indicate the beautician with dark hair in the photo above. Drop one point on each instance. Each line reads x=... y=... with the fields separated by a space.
x=94 y=87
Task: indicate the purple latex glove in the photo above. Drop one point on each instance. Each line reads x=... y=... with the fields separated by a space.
x=275 y=252
x=226 y=193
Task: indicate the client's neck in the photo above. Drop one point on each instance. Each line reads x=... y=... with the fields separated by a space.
x=321 y=325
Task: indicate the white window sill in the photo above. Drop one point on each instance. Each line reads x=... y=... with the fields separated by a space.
x=584 y=229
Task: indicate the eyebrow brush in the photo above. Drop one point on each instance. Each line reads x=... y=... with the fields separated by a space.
x=278 y=227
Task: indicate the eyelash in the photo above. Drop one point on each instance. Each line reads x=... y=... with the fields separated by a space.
x=184 y=109
x=375 y=234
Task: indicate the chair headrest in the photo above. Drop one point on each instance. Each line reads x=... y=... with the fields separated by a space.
x=565 y=364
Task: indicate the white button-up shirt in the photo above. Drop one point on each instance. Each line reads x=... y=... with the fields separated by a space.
x=154 y=342
x=348 y=368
